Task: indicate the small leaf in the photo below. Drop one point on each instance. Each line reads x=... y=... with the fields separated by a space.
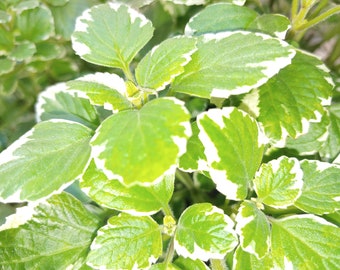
x=6 y=66
x=189 y=2
x=305 y=242
x=147 y=143
x=58 y=103
x=194 y=158
x=111 y=35
x=273 y=24
x=4 y=17
x=102 y=89
x=254 y=230
x=279 y=183
x=23 y=51
x=6 y=40
x=243 y=260
x=57 y=2
x=311 y=142
x=48 y=157
x=164 y=62
x=234 y=147
x=164 y=266
x=59 y=230
x=135 y=200
x=218 y=71
x=25 y=5
x=35 y=24
x=204 y=232
x=321 y=189
x=220 y=17
x=331 y=147
x=138 y=240
x=48 y=50
x=294 y=98
x=189 y=264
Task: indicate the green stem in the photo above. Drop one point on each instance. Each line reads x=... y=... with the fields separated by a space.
x=294 y=9
x=216 y=264
x=319 y=18
x=170 y=252
x=185 y=179
x=167 y=210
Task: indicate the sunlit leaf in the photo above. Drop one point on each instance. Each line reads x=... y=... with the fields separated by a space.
x=138 y=240
x=59 y=230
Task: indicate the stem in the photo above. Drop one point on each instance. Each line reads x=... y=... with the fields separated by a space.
x=167 y=210
x=170 y=252
x=319 y=18
x=295 y=8
x=216 y=264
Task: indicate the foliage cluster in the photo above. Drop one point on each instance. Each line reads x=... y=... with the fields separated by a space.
x=214 y=147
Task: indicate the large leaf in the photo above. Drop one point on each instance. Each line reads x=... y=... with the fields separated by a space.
x=58 y=103
x=102 y=89
x=204 y=232
x=140 y=147
x=254 y=230
x=279 y=182
x=321 y=189
x=135 y=200
x=164 y=62
x=294 y=98
x=35 y=24
x=220 y=17
x=59 y=230
x=48 y=157
x=111 y=35
x=305 y=242
x=232 y=63
x=233 y=146
x=126 y=242
x=189 y=264
x=243 y=260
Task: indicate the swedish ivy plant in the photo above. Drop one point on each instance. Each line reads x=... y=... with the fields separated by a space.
x=215 y=150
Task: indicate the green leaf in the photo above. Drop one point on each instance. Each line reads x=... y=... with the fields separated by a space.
x=35 y=24
x=59 y=230
x=138 y=240
x=254 y=230
x=220 y=17
x=311 y=142
x=243 y=260
x=111 y=35
x=9 y=83
x=278 y=183
x=216 y=70
x=48 y=50
x=294 y=98
x=194 y=158
x=305 y=242
x=23 y=51
x=320 y=192
x=44 y=160
x=65 y=16
x=164 y=62
x=135 y=200
x=102 y=89
x=58 y=103
x=189 y=264
x=6 y=66
x=331 y=147
x=272 y=24
x=6 y=40
x=147 y=143
x=204 y=232
x=234 y=147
